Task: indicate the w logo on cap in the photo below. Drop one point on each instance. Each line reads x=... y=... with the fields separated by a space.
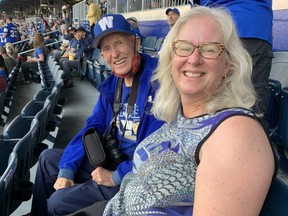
x=109 y=24
x=106 y=22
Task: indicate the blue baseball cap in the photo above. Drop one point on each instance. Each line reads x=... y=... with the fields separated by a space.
x=111 y=23
x=175 y=10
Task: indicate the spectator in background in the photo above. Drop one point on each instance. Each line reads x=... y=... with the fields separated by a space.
x=73 y=63
x=2 y=40
x=66 y=18
x=68 y=35
x=93 y=14
x=11 y=51
x=103 y=7
x=72 y=48
x=254 y=24
x=3 y=75
x=134 y=23
x=10 y=31
x=49 y=38
x=29 y=67
x=173 y=15
x=43 y=24
x=9 y=62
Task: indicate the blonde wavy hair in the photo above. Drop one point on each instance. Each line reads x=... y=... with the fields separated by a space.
x=235 y=91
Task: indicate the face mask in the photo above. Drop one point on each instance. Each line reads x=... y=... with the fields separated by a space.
x=135 y=65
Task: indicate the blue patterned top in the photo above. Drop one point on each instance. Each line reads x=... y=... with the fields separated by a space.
x=165 y=164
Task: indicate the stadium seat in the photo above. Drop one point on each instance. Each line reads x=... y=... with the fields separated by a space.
x=279 y=70
x=22 y=188
x=276 y=200
x=102 y=70
x=148 y=44
x=273 y=109
x=282 y=132
x=90 y=70
x=2 y=106
x=40 y=112
x=6 y=184
x=17 y=128
x=157 y=47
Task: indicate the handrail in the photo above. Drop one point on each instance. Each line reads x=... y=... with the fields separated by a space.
x=44 y=34
x=50 y=44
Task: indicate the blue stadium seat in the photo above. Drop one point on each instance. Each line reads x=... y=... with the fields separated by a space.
x=17 y=128
x=40 y=112
x=282 y=132
x=102 y=70
x=273 y=109
x=90 y=70
x=2 y=106
x=148 y=43
x=276 y=200
x=22 y=188
x=6 y=185
x=279 y=70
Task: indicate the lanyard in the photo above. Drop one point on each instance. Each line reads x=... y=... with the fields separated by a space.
x=131 y=100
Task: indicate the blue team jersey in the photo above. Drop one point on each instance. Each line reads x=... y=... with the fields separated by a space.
x=2 y=40
x=11 y=29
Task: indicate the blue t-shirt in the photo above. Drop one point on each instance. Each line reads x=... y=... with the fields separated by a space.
x=2 y=40
x=39 y=50
x=3 y=74
x=74 y=44
x=253 y=18
x=11 y=29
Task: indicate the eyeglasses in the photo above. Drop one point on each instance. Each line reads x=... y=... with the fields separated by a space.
x=207 y=50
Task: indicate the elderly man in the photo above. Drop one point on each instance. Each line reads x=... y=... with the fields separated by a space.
x=173 y=15
x=65 y=177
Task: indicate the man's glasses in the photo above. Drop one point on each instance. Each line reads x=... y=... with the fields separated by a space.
x=207 y=50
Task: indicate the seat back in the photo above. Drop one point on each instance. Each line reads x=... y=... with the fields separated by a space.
x=276 y=200
x=159 y=43
x=24 y=149
x=148 y=43
x=6 y=185
x=273 y=108
x=279 y=69
x=2 y=106
x=283 y=119
x=42 y=118
x=17 y=129
x=31 y=109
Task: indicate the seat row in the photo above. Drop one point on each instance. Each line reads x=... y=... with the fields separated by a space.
x=151 y=45
x=6 y=97
x=23 y=138
x=97 y=69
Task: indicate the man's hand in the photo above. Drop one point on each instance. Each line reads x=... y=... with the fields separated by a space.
x=102 y=177
x=63 y=183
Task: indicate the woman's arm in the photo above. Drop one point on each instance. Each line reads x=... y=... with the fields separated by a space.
x=235 y=170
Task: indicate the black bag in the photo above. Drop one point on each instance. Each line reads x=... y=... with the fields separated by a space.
x=94 y=148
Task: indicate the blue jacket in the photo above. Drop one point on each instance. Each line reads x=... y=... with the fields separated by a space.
x=253 y=18
x=102 y=116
